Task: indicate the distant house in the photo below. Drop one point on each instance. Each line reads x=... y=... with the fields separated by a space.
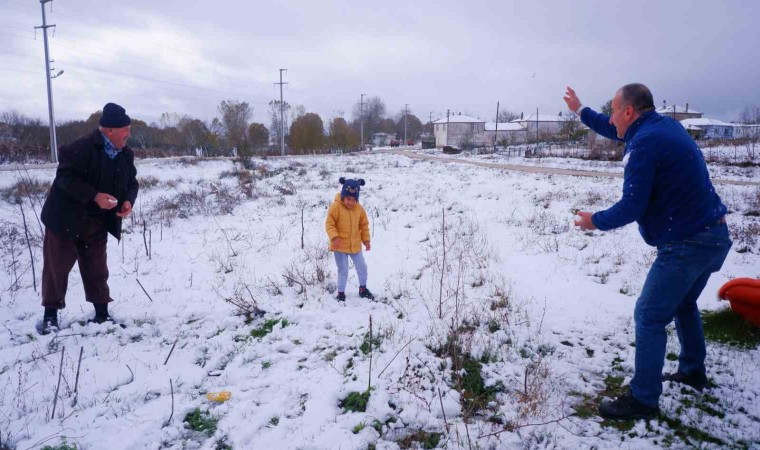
x=679 y=112
x=382 y=139
x=458 y=131
x=707 y=128
x=509 y=132
x=746 y=131
x=546 y=124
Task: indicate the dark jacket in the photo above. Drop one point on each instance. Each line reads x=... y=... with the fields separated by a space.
x=666 y=186
x=84 y=169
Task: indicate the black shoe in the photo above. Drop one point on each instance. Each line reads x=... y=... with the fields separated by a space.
x=101 y=319
x=626 y=407
x=696 y=380
x=49 y=322
x=341 y=297
x=365 y=293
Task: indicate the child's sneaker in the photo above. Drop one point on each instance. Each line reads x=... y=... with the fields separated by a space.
x=341 y=297
x=365 y=293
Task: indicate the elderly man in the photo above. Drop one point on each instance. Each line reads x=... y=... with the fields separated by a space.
x=94 y=189
x=667 y=191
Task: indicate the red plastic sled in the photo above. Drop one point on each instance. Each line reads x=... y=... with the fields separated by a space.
x=744 y=295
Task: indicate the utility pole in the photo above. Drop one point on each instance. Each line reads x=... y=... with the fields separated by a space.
x=45 y=26
x=536 y=127
x=406 y=112
x=496 y=133
x=361 y=114
x=282 y=116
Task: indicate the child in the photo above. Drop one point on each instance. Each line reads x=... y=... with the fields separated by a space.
x=348 y=228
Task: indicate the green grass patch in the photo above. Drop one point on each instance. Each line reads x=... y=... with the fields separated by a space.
x=267 y=327
x=358 y=428
x=692 y=437
x=355 y=401
x=726 y=327
x=201 y=421
x=425 y=439
x=365 y=347
x=62 y=446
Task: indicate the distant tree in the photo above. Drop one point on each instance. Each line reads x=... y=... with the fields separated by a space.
x=258 y=135
x=275 y=129
x=342 y=136
x=195 y=134
x=750 y=118
x=372 y=114
x=386 y=126
x=141 y=136
x=570 y=128
x=413 y=127
x=307 y=133
x=506 y=116
x=607 y=108
x=234 y=121
x=26 y=130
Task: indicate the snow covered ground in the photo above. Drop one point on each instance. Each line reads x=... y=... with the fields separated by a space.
x=727 y=162
x=496 y=323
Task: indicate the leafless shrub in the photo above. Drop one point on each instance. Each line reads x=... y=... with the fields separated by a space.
x=245 y=303
x=147 y=182
x=309 y=269
x=24 y=188
x=286 y=188
x=543 y=222
x=210 y=199
x=534 y=395
x=746 y=237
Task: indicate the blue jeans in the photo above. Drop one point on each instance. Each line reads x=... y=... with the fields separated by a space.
x=673 y=285
x=341 y=259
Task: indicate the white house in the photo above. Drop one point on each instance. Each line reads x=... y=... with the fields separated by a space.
x=546 y=124
x=709 y=128
x=509 y=132
x=679 y=112
x=457 y=130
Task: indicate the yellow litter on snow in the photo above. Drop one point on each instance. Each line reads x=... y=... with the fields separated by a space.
x=219 y=397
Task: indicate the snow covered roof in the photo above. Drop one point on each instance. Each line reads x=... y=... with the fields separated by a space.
x=679 y=110
x=542 y=118
x=703 y=122
x=510 y=126
x=459 y=118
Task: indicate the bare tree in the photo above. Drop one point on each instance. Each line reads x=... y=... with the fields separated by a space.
x=235 y=119
x=750 y=119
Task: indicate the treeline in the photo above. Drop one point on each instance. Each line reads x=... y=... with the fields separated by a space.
x=24 y=138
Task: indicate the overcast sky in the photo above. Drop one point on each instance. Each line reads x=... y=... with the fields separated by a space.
x=186 y=57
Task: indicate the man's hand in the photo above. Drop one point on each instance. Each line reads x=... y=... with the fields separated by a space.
x=105 y=201
x=583 y=220
x=572 y=100
x=368 y=246
x=336 y=242
x=126 y=210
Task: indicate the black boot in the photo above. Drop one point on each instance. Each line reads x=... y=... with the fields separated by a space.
x=341 y=297
x=626 y=407
x=49 y=321
x=101 y=313
x=696 y=380
x=365 y=293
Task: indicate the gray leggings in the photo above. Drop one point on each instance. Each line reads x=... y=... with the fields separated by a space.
x=341 y=259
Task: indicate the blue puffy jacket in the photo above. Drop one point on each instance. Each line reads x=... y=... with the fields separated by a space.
x=666 y=186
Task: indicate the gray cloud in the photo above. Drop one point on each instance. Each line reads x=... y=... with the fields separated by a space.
x=186 y=57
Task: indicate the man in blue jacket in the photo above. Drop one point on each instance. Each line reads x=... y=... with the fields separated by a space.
x=667 y=191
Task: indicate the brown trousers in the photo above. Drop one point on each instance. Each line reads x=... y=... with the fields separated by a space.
x=59 y=255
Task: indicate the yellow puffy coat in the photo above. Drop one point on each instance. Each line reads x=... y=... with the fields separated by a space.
x=350 y=225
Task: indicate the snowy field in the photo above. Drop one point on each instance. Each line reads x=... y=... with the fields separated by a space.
x=727 y=162
x=496 y=325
